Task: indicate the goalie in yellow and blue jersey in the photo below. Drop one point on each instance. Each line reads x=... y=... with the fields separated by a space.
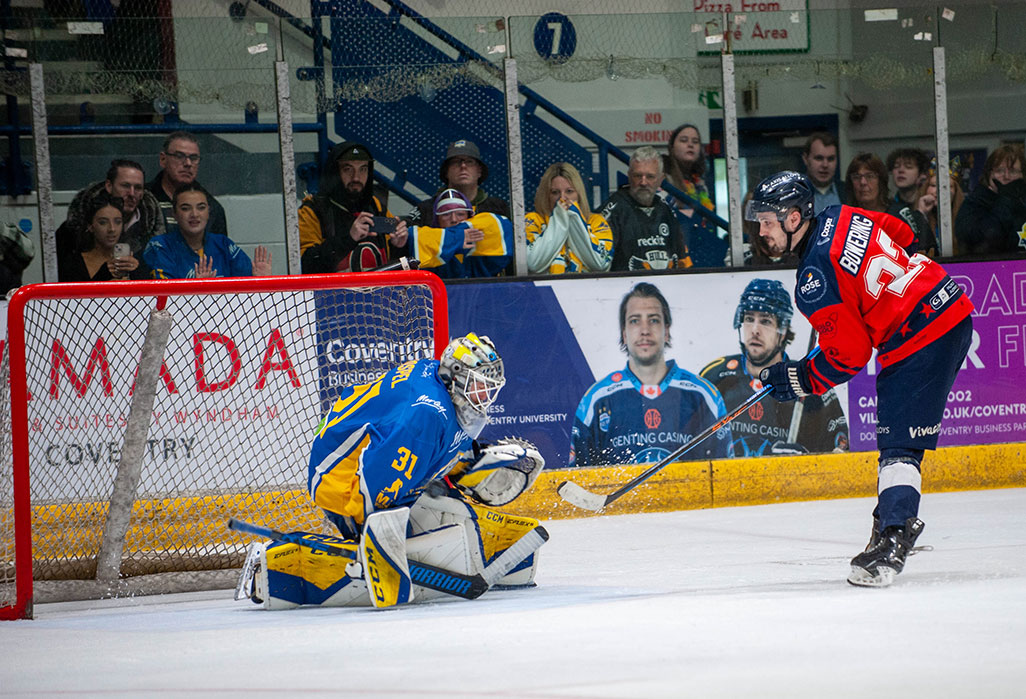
x=395 y=468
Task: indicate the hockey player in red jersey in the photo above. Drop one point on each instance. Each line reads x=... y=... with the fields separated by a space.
x=862 y=288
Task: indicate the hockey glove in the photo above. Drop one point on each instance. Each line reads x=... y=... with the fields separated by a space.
x=503 y=471
x=788 y=381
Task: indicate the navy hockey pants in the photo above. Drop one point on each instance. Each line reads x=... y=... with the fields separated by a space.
x=911 y=395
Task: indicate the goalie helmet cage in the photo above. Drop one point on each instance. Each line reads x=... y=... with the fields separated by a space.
x=221 y=428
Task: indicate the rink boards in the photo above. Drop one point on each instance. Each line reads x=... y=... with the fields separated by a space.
x=195 y=522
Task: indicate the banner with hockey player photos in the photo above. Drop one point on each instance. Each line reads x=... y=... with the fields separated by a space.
x=558 y=337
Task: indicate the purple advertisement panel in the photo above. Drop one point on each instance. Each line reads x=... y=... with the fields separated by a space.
x=987 y=404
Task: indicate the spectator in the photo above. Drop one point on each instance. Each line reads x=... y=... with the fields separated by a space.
x=641 y=413
x=179 y=165
x=16 y=252
x=927 y=199
x=463 y=170
x=908 y=167
x=103 y=256
x=142 y=216
x=340 y=228
x=684 y=166
x=570 y=238
x=458 y=244
x=820 y=157
x=190 y=252
x=866 y=185
x=993 y=217
x=646 y=234
x=763 y=323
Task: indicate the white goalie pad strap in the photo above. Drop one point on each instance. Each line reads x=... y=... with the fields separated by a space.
x=505 y=470
x=898 y=473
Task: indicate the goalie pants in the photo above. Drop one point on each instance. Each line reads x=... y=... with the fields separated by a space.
x=911 y=395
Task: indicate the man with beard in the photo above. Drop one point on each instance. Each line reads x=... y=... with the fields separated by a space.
x=763 y=322
x=341 y=227
x=641 y=413
x=143 y=220
x=646 y=234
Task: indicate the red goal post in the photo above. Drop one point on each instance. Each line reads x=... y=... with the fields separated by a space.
x=140 y=416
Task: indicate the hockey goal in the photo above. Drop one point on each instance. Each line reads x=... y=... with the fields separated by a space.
x=140 y=416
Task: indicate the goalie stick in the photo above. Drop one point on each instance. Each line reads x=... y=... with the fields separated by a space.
x=447 y=581
x=587 y=500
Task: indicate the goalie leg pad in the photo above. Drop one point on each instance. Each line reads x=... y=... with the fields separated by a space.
x=383 y=553
x=288 y=575
x=488 y=532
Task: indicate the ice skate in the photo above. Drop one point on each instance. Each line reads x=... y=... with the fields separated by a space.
x=885 y=557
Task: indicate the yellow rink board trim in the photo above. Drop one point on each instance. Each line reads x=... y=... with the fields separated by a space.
x=76 y=529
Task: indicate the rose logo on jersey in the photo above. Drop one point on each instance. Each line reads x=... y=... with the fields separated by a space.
x=617 y=377
x=812 y=287
x=653 y=419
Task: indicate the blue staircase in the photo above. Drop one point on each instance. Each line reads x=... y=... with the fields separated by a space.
x=409 y=136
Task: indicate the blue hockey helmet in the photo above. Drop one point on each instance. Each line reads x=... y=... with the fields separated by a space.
x=780 y=193
x=768 y=296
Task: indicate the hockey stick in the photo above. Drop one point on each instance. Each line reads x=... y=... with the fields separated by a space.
x=585 y=499
x=799 y=405
x=429 y=576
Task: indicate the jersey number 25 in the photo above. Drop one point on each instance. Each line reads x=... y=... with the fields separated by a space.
x=886 y=272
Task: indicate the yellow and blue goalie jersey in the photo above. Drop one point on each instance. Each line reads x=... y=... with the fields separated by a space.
x=383 y=442
x=441 y=249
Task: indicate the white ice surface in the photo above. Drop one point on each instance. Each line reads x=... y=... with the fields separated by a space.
x=706 y=603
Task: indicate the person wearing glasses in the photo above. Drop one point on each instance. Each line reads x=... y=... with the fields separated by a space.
x=179 y=165
x=865 y=185
x=993 y=217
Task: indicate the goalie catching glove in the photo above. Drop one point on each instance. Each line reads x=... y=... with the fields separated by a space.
x=503 y=471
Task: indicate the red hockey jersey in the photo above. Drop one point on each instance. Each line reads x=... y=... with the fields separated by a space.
x=860 y=289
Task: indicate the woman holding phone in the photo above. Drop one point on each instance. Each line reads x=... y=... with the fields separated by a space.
x=100 y=256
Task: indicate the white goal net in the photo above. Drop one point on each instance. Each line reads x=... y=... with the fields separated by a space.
x=217 y=426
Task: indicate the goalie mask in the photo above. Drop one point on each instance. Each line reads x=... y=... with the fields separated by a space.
x=472 y=371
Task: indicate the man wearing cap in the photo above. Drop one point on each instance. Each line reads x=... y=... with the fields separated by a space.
x=341 y=227
x=463 y=170
x=459 y=243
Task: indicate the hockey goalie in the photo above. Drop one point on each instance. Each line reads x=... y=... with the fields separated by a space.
x=395 y=467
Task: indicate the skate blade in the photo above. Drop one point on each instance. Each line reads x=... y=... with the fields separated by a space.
x=863 y=578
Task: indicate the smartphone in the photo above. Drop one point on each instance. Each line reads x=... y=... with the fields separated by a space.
x=122 y=250
x=383 y=224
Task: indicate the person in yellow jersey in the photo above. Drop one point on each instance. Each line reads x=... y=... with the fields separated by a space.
x=563 y=235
